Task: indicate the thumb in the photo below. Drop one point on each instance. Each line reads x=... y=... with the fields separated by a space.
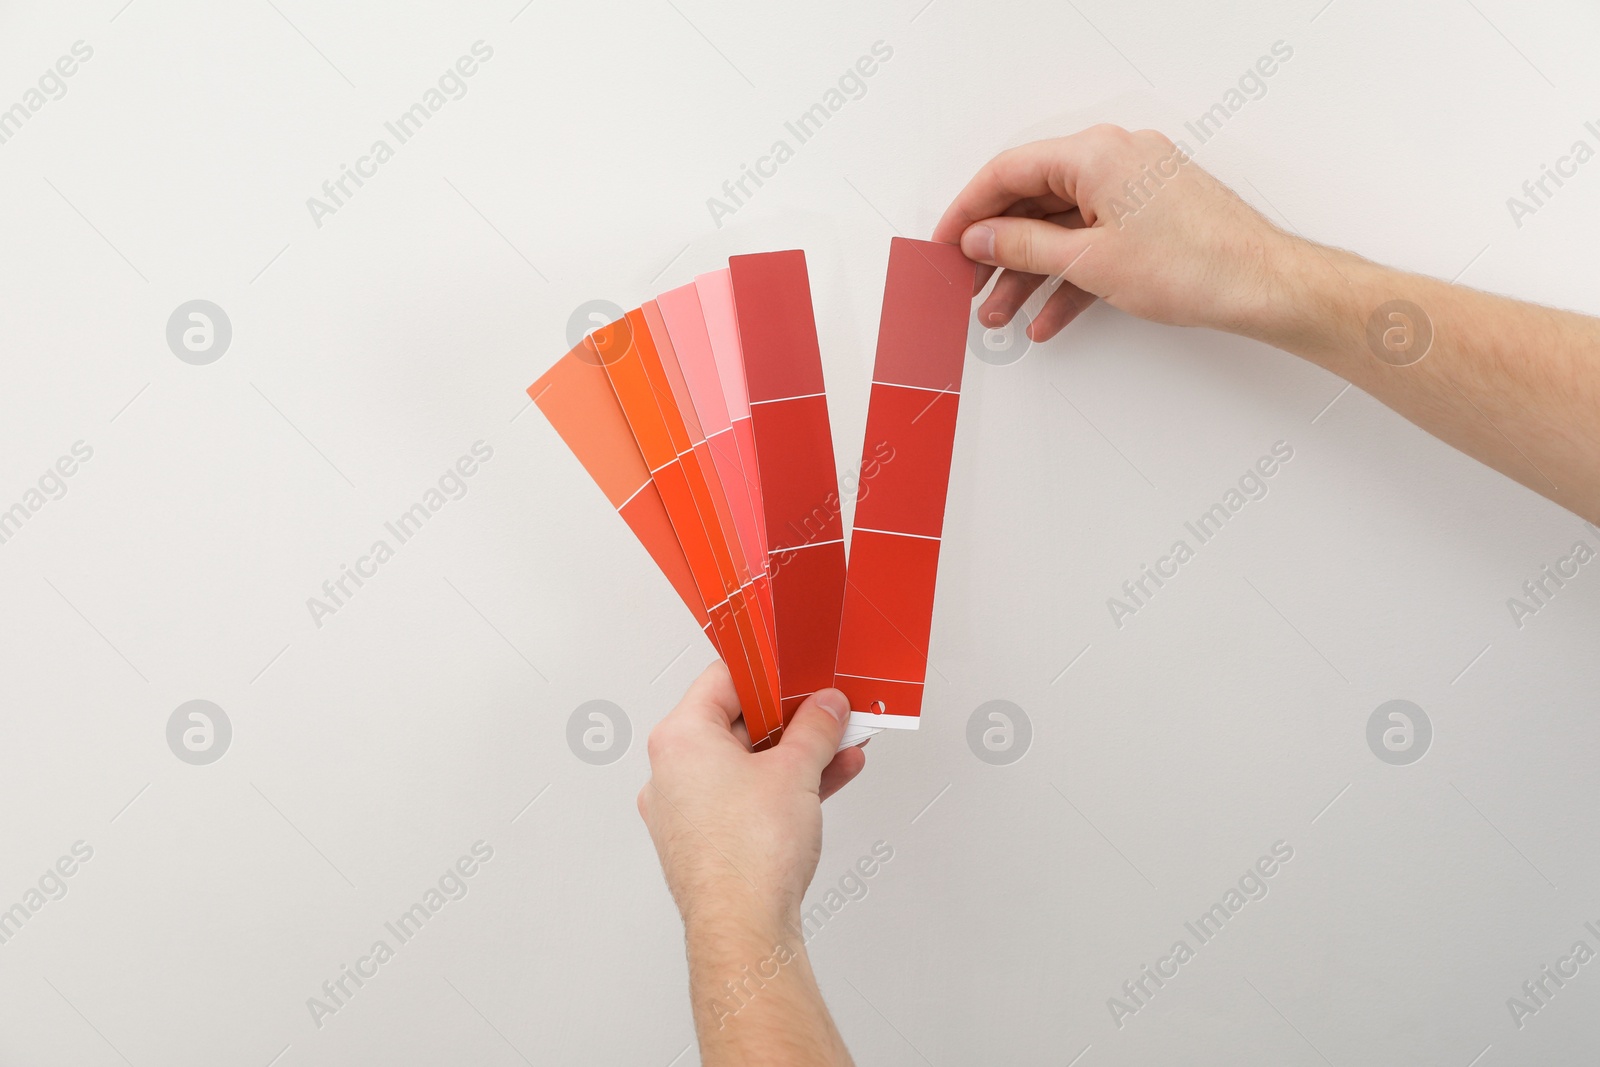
x=812 y=736
x=1032 y=246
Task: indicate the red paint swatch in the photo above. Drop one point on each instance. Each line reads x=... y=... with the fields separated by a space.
x=905 y=472
x=794 y=457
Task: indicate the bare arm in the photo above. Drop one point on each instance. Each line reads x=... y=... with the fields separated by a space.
x=1514 y=385
x=755 y=997
x=1128 y=218
x=739 y=834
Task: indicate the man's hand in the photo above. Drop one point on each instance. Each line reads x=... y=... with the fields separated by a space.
x=1126 y=217
x=736 y=828
x=739 y=834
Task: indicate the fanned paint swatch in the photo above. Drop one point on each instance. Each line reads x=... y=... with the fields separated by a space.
x=703 y=418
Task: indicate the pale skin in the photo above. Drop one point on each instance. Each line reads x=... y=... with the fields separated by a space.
x=1514 y=385
x=739 y=834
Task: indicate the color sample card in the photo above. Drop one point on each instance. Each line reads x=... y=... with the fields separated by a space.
x=715 y=291
x=794 y=455
x=576 y=396
x=905 y=473
x=703 y=418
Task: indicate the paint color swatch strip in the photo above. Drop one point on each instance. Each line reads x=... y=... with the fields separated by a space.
x=887 y=613
x=576 y=396
x=793 y=445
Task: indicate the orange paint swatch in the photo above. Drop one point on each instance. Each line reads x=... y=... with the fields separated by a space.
x=576 y=396
x=645 y=396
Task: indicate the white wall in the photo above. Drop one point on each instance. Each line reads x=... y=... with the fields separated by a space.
x=370 y=352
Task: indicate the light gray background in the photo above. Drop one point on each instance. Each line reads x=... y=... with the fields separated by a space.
x=369 y=353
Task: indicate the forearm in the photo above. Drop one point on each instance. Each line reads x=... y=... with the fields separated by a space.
x=754 y=995
x=1515 y=385
x=739 y=834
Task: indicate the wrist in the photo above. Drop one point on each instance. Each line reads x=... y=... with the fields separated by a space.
x=734 y=917
x=755 y=996
x=1308 y=304
x=732 y=955
x=1275 y=305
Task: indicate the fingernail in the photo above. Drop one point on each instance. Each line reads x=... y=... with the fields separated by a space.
x=864 y=743
x=997 y=318
x=834 y=703
x=978 y=243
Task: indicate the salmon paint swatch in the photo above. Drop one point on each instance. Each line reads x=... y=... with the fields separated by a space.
x=685 y=324
x=905 y=473
x=576 y=396
x=715 y=291
x=703 y=418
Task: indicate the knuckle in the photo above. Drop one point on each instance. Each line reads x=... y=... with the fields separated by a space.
x=1154 y=138
x=1116 y=138
x=660 y=743
x=1024 y=248
x=1009 y=163
x=789 y=759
